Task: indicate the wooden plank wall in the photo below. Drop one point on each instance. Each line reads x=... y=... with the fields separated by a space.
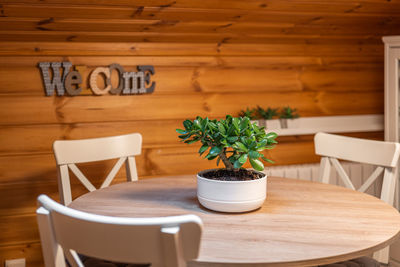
x=211 y=58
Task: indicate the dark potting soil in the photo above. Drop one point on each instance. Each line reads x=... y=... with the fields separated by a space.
x=232 y=175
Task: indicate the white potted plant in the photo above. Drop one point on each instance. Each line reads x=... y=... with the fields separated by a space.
x=234 y=141
x=267 y=116
x=287 y=116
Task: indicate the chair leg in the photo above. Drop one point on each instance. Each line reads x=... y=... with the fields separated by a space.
x=382 y=255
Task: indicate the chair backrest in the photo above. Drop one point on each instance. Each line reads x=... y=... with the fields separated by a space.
x=161 y=241
x=384 y=155
x=70 y=152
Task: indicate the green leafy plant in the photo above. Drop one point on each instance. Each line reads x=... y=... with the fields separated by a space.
x=231 y=140
x=288 y=113
x=250 y=113
x=268 y=113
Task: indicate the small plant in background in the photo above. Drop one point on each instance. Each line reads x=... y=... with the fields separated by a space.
x=249 y=113
x=288 y=113
x=231 y=140
x=268 y=113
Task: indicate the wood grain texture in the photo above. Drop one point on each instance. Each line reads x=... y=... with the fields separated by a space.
x=211 y=58
x=31 y=251
x=340 y=6
x=122 y=108
x=300 y=224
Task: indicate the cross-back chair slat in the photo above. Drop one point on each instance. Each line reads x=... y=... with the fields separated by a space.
x=68 y=153
x=384 y=155
x=162 y=241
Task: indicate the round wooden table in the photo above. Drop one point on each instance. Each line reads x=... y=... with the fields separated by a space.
x=300 y=224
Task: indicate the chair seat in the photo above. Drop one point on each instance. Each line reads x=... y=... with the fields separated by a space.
x=358 y=262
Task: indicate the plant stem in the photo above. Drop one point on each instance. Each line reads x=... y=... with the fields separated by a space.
x=225 y=160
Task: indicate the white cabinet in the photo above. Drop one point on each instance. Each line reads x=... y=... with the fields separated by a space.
x=392 y=109
x=392 y=78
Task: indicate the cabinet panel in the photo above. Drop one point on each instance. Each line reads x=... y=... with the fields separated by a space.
x=392 y=109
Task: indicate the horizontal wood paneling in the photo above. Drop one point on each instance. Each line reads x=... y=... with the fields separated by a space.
x=24 y=229
x=211 y=58
x=119 y=108
x=171 y=13
x=295 y=31
x=338 y=6
x=192 y=61
x=31 y=251
x=221 y=79
x=156 y=134
x=60 y=48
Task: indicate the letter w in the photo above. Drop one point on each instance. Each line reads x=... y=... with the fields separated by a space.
x=57 y=82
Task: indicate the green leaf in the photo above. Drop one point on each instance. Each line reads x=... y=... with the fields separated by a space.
x=203 y=148
x=254 y=154
x=241 y=146
x=179 y=131
x=256 y=164
x=215 y=150
x=221 y=128
x=237 y=164
x=191 y=141
x=225 y=143
x=184 y=137
x=211 y=157
x=235 y=122
x=232 y=139
x=272 y=142
x=196 y=124
x=253 y=145
x=262 y=143
x=212 y=125
x=243 y=158
x=244 y=123
x=231 y=130
x=271 y=135
x=267 y=160
x=188 y=124
x=204 y=124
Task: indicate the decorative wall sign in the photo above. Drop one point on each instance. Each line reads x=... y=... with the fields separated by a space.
x=129 y=83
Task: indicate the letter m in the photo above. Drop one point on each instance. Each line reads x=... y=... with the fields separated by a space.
x=57 y=82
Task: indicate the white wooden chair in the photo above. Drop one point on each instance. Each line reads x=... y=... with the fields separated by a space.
x=384 y=155
x=70 y=152
x=161 y=241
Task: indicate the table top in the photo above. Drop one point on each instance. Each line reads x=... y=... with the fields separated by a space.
x=301 y=223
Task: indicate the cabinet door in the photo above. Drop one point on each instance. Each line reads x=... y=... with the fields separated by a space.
x=392 y=109
x=392 y=79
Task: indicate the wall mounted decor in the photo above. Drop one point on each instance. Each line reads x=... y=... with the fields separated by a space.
x=129 y=83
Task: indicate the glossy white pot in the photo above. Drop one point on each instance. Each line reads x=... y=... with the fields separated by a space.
x=231 y=196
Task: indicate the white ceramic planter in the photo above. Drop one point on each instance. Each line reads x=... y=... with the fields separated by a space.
x=272 y=124
x=231 y=196
x=289 y=123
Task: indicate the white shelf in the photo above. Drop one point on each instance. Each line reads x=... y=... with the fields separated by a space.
x=330 y=124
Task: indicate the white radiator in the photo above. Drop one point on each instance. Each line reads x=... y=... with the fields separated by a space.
x=358 y=173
